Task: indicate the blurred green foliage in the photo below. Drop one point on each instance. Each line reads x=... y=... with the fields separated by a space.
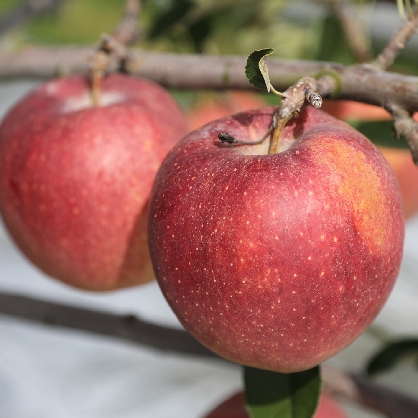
x=227 y=27
x=210 y=26
x=75 y=22
x=7 y=4
x=218 y=27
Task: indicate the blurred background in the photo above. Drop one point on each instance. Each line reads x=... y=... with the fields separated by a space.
x=57 y=373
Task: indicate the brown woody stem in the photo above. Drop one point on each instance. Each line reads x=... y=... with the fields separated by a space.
x=96 y=85
x=295 y=96
x=362 y=83
x=112 y=48
x=386 y=58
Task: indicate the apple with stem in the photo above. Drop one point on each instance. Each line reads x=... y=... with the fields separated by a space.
x=234 y=407
x=399 y=159
x=75 y=178
x=276 y=261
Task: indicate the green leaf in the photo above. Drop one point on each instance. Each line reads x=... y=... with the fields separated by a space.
x=380 y=133
x=167 y=18
x=256 y=68
x=333 y=43
x=391 y=354
x=280 y=395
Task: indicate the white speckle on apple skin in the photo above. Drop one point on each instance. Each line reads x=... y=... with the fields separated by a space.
x=85 y=101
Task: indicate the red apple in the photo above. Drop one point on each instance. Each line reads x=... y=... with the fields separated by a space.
x=75 y=178
x=234 y=407
x=276 y=261
x=400 y=160
x=214 y=107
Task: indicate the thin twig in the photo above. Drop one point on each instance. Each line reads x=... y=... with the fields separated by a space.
x=113 y=49
x=125 y=327
x=128 y=31
x=364 y=391
x=407 y=127
x=355 y=388
x=387 y=57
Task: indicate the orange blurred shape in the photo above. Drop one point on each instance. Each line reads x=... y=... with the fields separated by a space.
x=222 y=104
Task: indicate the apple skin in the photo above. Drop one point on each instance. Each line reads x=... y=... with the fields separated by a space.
x=234 y=407
x=276 y=261
x=399 y=159
x=75 y=178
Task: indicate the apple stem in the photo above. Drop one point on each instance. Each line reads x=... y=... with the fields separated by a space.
x=227 y=138
x=305 y=89
x=289 y=107
x=96 y=87
x=277 y=128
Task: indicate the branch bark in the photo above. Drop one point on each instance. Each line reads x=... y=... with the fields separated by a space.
x=358 y=389
x=125 y=327
x=387 y=57
x=363 y=83
x=191 y=71
x=364 y=391
x=127 y=32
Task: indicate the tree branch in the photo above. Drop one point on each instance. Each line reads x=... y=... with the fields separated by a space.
x=355 y=388
x=406 y=127
x=127 y=32
x=192 y=71
x=363 y=83
x=387 y=57
x=364 y=391
x=125 y=327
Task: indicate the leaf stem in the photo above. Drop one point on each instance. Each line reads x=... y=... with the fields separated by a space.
x=279 y=93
